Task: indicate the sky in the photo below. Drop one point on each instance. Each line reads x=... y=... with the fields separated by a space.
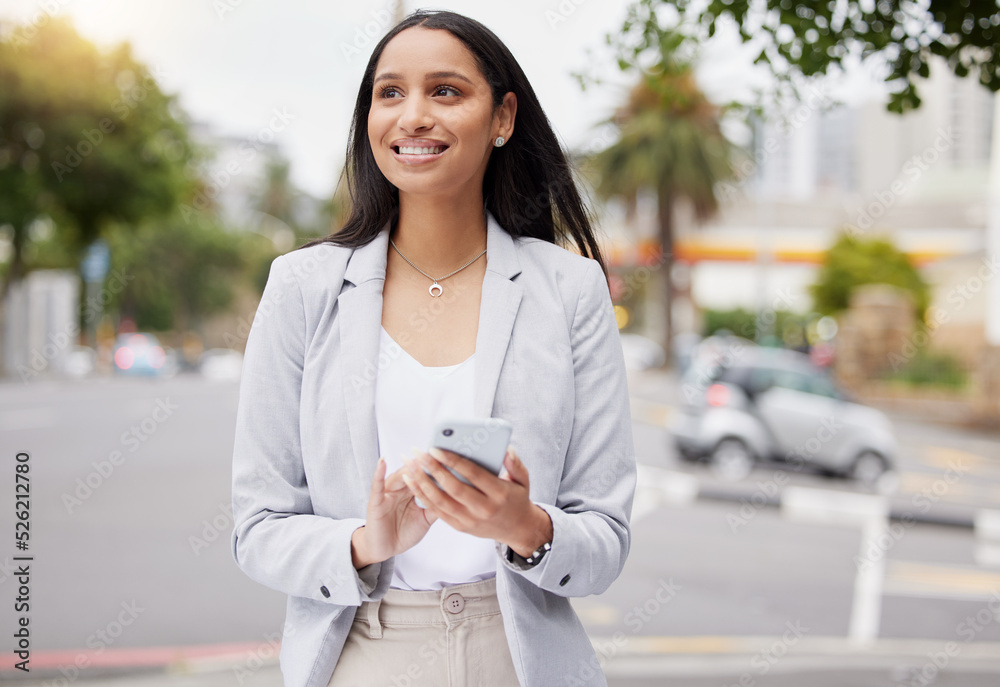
x=234 y=63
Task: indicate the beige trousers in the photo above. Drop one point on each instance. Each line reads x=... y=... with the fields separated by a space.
x=452 y=637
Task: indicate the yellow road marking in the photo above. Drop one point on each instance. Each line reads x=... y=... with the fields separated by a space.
x=948 y=458
x=936 y=485
x=929 y=578
x=684 y=645
x=650 y=413
x=597 y=614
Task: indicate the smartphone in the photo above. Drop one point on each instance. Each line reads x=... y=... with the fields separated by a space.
x=484 y=441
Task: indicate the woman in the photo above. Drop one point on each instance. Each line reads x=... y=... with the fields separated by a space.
x=444 y=295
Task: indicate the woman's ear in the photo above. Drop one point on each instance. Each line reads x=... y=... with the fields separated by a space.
x=506 y=114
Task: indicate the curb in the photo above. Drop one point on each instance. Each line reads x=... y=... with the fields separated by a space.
x=681 y=488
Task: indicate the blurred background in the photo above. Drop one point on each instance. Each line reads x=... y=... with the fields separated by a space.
x=799 y=204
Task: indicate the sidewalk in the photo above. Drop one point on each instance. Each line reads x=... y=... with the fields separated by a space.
x=632 y=660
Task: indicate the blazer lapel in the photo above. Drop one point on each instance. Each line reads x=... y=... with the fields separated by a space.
x=360 y=313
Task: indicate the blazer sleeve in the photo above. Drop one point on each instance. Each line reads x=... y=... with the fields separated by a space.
x=590 y=520
x=277 y=539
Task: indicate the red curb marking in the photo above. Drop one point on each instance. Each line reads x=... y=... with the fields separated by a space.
x=139 y=656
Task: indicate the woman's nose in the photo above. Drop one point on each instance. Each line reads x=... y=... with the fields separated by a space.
x=415 y=115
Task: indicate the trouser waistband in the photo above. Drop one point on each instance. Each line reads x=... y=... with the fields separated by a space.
x=446 y=606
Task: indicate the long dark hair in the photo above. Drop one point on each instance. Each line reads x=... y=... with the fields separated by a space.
x=528 y=185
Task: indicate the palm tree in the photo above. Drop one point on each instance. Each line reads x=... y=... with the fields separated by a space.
x=670 y=143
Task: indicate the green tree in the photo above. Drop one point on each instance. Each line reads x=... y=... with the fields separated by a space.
x=803 y=38
x=669 y=142
x=179 y=272
x=853 y=261
x=86 y=137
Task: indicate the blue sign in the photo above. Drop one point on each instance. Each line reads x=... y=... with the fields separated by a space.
x=96 y=261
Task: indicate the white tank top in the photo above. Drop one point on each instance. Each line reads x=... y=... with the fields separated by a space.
x=409 y=399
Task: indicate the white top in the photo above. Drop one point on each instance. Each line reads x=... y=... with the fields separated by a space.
x=409 y=399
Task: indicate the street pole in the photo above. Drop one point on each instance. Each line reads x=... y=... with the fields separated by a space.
x=993 y=233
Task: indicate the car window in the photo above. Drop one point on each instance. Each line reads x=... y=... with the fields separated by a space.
x=804 y=382
x=823 y=386
x=761 y=378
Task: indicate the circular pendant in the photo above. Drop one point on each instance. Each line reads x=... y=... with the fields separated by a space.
x=437 y=286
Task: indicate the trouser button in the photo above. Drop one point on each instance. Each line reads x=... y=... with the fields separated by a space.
x=454 y=603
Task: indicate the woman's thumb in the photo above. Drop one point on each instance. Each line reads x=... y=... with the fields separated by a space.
x=516 y=472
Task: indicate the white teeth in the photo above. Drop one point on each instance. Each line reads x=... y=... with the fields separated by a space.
x=420 y=151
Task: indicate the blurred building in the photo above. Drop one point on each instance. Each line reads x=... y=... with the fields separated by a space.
x=41 y=324
x=920 y=179
x=242 y=177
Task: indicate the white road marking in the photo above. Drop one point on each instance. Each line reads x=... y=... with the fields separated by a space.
x=871 y=513
x=31 y=418
x=866 y=611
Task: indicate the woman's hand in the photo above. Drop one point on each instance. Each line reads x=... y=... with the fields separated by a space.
x=493 y=507
x=394 y=522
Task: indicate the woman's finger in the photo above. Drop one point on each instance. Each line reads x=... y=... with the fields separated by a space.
x=516 y=470
x=378 y=482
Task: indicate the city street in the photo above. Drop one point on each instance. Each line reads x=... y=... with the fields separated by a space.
x=728 y=583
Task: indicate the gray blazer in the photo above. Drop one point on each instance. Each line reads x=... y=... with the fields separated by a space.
x=548 y=359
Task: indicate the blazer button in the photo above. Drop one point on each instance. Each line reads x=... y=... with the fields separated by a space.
x=324 y=591
x=563 y=581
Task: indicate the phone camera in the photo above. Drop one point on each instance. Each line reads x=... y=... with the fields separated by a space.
x=448 y=432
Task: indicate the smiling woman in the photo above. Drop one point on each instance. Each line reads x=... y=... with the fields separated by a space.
x=449 y=294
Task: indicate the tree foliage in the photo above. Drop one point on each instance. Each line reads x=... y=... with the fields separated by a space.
x=799 y=38
x=670 y=143
x=86 y=137
x=853 y=261
x=179 y=272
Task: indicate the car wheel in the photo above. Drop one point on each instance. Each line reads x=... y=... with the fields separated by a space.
x=868 y=468
x=732 y=459
x=685 y=452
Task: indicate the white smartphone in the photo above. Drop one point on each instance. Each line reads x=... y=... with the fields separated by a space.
x=484 y=441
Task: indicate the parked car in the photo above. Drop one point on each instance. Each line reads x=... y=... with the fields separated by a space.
x=80 y=361
x=641 y=353
x=140 y=354
x=773 y=404
x=221 y=364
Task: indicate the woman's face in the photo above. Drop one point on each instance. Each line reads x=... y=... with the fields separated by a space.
x=428 y=93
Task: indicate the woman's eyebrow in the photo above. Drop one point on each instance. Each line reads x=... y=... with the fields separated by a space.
x=392 y=76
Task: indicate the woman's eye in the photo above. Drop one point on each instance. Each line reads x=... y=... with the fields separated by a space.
x=386 y=91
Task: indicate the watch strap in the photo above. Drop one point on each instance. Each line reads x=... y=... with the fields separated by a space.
x=531 y=560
